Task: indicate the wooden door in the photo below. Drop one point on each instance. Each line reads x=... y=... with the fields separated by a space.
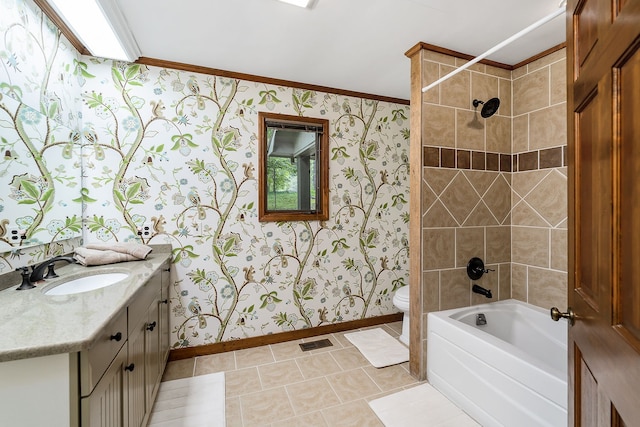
x=603 y=56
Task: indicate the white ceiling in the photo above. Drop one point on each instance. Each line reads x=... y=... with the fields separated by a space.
x=355 y=45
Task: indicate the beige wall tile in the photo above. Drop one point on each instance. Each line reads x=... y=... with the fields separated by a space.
x=547 y=60
x=498 y=134
x=519 y=72
x=480 y=216
x=460 y=198
x=559 y=249
x=428 y=198
x=478 y=67
x=498 y=72
x=439 y=248
x=481 y=181
x=431 y=73
x=531 y=92
x=438 y=179
x=438 y=125
x=524 y=182
x=430 y=291
x=498 y=244
x=547 y=288
x=548 y=127
x=498 y=199
x=530 y=246
x=506 y=99
x=549 y=198
x=559 y=82
x=521 y=133
x=524 y=215
x=455 y=290
x=504 y=272
x=469 y=130
x=438 y=216
x=519 y=282
x=455 y=92
x=469 y=244
x=483 y=87
x=439 y=58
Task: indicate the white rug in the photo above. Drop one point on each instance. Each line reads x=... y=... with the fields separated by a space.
x=190 y=402
x=380 y=348
x=421 y=406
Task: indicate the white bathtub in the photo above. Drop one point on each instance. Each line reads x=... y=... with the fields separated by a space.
x=510 y=372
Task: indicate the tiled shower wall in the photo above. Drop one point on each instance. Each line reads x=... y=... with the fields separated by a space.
x=539 y=196
x=493 y=188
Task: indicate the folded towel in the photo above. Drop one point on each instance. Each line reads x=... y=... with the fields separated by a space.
x=137 y=250
x=86 y=256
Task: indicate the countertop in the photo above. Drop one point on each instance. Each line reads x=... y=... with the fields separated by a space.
x=33 y=324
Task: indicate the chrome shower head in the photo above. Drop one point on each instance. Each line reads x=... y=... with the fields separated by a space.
x=489 y=108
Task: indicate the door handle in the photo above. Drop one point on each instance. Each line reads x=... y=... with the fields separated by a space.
x=557 y=315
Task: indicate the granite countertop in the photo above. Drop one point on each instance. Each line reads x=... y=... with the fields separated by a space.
x=33 y=324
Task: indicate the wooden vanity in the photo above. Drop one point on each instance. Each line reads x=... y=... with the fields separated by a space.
x=115 y=342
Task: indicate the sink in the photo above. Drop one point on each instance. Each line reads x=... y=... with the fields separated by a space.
x=86 y=283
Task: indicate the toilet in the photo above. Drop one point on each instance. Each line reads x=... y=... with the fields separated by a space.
x=401 y=302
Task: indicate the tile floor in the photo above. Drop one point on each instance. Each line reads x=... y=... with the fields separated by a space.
x=279 y=385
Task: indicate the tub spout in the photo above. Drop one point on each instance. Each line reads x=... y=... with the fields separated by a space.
x=482 y=291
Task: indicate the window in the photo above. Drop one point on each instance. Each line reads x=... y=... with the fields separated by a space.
x=293 y=168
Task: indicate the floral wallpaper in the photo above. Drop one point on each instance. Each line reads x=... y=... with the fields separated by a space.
x=40 y=76
x=175 y=153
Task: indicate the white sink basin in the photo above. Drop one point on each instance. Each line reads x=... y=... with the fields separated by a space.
x=86 y=283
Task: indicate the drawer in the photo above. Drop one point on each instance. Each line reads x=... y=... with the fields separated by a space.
x=95 y=361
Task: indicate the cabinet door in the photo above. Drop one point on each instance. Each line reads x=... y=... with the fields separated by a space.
x=152 y=353
x=106 y=406
x=164 y=319
x=136 y=376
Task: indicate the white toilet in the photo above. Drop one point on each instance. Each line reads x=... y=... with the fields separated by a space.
x=401 y=301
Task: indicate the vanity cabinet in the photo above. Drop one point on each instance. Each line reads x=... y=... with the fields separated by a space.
x=121 y=373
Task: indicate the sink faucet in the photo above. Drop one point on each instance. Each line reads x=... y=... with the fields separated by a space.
x=38 y=272
x=482 y=291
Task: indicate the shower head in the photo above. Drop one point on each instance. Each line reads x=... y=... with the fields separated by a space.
x=489 y=108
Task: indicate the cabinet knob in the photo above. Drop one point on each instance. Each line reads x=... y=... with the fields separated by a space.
x=165 y=301
x=151 y=326
x=116 y=337
x=129 y=367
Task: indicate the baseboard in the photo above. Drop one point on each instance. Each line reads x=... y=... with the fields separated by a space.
x=221 y=347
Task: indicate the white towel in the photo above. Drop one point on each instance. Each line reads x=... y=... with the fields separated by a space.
x=86 y=256
x=137 y=250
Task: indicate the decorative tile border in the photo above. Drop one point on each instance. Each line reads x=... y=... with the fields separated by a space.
x=479 y=160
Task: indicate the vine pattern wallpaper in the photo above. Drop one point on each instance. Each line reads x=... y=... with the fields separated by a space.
x=176 y=151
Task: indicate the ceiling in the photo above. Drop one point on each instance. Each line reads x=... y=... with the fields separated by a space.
x=355 y=45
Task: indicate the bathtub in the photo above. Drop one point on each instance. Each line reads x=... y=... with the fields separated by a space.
x=510 y=372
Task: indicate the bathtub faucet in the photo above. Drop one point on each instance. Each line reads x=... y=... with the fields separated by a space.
x=482 y=291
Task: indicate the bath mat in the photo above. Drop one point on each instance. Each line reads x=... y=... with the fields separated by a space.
x=420 y=406
x=380 y=348
x=190 y=402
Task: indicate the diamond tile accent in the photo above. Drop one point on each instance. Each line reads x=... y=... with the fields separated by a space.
x=548 y=201
x=498 y=199
x=481 y=181
x=439 y=216
x=460 y=198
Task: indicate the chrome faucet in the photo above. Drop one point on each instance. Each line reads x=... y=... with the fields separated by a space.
x=482 y=291
x=38 y=272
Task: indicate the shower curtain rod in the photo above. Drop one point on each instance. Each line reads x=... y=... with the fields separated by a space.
x=499 y=46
